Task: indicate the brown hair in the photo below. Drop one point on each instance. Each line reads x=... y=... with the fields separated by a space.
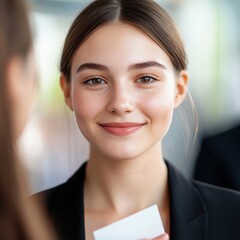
x=144 y=14
x=19 y=218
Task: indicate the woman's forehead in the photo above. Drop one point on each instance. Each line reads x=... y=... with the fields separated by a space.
x=120 y=41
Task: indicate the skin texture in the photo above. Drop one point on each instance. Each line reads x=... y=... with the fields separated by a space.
x=123 y=92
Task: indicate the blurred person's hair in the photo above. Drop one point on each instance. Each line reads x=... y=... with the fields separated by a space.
x=20 y=217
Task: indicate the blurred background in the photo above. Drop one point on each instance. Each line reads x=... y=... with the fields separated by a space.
x=52 y=148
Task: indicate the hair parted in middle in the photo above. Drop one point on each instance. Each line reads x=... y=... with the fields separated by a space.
x=144 y=14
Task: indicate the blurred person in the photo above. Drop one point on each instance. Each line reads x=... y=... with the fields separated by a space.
x=123 y=73
x=20 y=218
x=218 y=160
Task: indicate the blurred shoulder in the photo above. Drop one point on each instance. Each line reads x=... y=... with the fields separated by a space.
x=227 y=134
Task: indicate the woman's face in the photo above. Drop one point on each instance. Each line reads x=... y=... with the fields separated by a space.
x=123 y=91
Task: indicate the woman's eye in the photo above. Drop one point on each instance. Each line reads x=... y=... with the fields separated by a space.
x=95 y=81
x=146 y=80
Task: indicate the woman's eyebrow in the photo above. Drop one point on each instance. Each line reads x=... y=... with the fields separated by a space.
x=94 y=66
x=146 y=65
x=135 y=66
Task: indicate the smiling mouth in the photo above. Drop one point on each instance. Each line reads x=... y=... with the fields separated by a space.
x=121 y=128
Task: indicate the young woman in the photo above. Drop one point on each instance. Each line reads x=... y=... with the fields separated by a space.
x=123 y=73
x=19 y=218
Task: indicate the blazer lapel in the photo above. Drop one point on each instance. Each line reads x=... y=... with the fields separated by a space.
x=188 y=215
x=68 y=208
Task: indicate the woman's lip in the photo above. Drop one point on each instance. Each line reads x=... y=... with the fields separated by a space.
x=121 y=124
x=121 y=128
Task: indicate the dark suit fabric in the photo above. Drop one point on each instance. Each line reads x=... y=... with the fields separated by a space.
x=197 y=211
x=218 y=161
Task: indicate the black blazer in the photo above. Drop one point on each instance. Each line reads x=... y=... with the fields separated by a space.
x=218 y=161
x=197 y=211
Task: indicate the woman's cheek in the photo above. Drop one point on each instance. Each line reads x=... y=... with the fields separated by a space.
x=85 y=105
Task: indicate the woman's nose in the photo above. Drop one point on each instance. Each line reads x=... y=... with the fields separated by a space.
x=121 y=101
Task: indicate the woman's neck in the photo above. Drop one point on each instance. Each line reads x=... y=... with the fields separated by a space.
x=126 y=186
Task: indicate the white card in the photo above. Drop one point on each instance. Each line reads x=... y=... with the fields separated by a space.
x=144 y=224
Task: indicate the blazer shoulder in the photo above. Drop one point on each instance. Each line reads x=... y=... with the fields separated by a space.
x=58 y=193
x=223 y=210
x=219 y=200
x=48 y=196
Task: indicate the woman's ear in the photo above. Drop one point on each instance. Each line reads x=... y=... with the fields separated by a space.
x=181 y=88
x=66 y=88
